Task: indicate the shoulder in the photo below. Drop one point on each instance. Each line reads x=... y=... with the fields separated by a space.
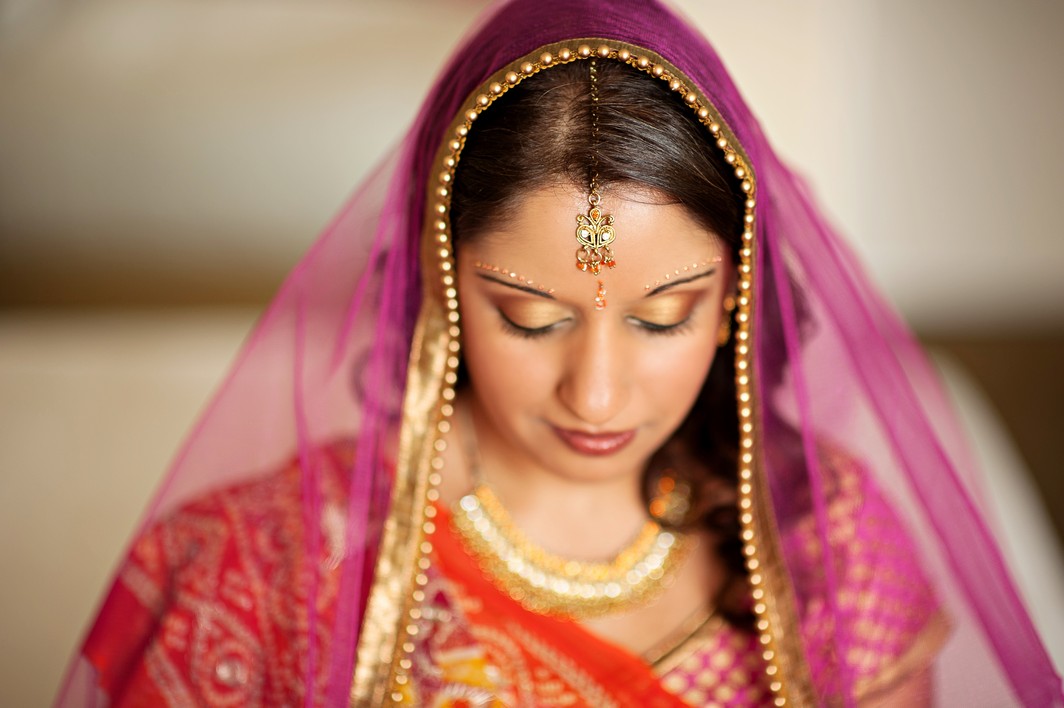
x=249 y=525
x=219 y=592
x=237 y=527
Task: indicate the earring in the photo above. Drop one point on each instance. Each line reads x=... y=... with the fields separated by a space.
x=724 y=333
x=671 y=500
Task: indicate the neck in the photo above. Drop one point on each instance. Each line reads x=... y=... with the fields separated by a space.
x=577 y=518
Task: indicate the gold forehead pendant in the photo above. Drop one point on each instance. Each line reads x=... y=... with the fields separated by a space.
x=594 y=230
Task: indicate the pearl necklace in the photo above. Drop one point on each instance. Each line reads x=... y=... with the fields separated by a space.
x=549 y=584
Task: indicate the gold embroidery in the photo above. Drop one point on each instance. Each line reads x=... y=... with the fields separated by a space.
x=586 y=688
x=919 y=655
x=221 y=574
x=141 y=585
x=688 y=639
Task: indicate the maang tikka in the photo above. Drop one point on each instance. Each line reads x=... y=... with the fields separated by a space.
x=594 y=231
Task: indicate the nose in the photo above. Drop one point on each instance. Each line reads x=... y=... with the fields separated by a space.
x=595 y=382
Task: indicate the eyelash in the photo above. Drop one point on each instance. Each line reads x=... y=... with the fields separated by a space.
x=651 y=328
x=517 y=330
x=655 y=329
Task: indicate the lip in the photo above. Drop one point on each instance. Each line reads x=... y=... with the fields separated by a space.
x=595 y=444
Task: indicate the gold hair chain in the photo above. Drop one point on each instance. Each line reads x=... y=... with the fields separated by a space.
x=594 y=230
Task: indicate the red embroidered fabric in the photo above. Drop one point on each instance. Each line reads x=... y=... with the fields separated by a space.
x=209 y=606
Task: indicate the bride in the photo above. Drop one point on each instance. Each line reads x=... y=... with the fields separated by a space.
x=582 y=403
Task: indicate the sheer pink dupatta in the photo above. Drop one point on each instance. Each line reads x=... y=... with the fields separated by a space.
x=326 y=362
x=854 y=377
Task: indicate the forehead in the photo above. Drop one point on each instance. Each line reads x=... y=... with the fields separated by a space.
x=537 y=236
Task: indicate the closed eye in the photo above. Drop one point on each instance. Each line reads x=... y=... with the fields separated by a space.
x=515 y=329
x=658 y=328
x=666 y=313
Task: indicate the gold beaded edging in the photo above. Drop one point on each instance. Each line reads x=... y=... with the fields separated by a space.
x=392 y=620
x=391 y=625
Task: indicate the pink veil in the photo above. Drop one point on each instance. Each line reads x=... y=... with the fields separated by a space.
x=833 y=366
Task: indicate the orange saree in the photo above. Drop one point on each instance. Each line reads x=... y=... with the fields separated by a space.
x=516 y=657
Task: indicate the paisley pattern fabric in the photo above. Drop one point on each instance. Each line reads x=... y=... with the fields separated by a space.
x=210 y=610
x=209 y=607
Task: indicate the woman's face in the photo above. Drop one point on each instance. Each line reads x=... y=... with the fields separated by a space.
x=562 y=385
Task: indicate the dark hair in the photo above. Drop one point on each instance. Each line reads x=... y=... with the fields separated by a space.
x=540 y=132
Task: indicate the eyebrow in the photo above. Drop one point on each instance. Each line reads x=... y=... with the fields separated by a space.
x=517 y=286
x=680 y=281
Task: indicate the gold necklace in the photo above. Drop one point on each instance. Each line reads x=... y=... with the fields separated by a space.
x=549 y=584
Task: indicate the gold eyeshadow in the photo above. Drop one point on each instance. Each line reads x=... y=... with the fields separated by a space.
x=532 y=313
x=666 y=309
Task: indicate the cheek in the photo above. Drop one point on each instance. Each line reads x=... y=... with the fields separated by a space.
x=498 y=362
x=674 y=375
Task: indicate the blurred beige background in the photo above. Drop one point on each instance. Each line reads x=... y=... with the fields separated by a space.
x=164 y=162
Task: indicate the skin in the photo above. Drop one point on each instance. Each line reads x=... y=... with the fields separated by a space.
x=635 y=366
x=594 y=371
